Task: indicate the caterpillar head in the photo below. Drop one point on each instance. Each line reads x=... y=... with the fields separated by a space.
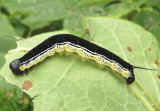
x=14 y=66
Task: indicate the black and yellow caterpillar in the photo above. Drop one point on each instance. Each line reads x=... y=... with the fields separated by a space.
x=72 y=43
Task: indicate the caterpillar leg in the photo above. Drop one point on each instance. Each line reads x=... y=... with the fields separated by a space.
x=26 y=71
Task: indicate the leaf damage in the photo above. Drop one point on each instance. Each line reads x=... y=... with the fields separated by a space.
x=156 y=62
x=129 y=49
x=27 y=85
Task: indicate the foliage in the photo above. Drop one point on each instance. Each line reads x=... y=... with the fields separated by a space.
x=12 y=99
x=26 y=18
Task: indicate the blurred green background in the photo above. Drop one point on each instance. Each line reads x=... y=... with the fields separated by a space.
x=25 y=18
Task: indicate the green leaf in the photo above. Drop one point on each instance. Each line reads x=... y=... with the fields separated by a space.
x=12 y=98
x=19 y=28
x=135 y=3
x=2 y=60
x=119 y=9
x=117 y=35
x=37 y=13
x=150 y=20
x=91 y=2
x=76 y=13
x=74 y=22
x=75 y=16
x=67 y=83
x=6 y=43
x=154 y=3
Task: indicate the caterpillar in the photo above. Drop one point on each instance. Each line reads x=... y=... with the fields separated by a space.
x=74 y=44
